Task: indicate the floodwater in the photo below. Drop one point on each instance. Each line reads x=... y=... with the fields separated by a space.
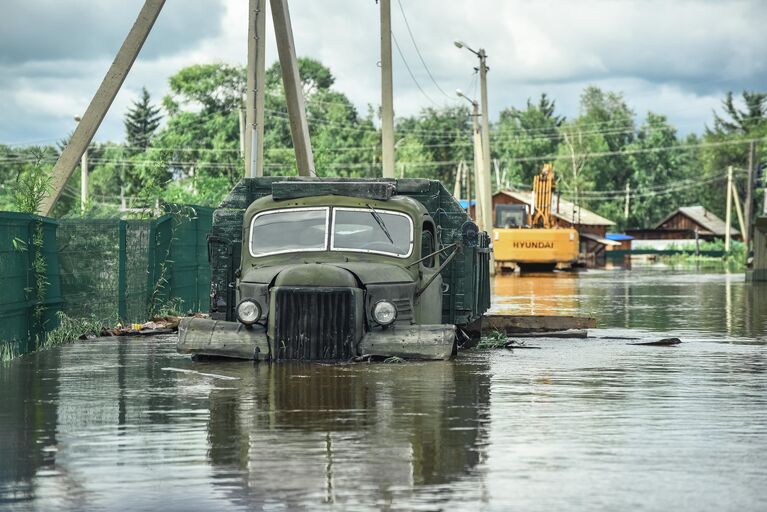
x=593 y=424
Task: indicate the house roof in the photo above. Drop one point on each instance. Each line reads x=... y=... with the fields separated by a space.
x=568 y=211
x=702 y=217
x=599 y=239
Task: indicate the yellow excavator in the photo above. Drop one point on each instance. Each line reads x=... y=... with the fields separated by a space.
x=527 y=237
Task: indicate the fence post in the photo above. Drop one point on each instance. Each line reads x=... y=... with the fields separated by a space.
x=151 y=279
x=122 y=285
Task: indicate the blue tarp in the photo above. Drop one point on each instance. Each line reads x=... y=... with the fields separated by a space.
x=465 y=203
x=618 y=237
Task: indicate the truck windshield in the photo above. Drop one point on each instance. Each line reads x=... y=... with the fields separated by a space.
x=372 y=230
x=293 y=230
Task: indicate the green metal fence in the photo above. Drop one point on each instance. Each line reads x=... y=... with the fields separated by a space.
x=108 y=268
x=30 y=290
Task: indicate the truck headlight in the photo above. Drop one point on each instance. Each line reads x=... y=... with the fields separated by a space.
x=248 y=311
x=384 y=312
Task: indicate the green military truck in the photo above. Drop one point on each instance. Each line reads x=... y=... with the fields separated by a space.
x=333 y=269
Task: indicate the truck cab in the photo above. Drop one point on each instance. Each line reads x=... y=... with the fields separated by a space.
x=333 y=276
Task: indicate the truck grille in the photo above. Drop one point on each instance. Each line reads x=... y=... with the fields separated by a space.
x=314 y=323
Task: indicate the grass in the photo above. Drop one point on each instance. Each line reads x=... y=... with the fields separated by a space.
x=496 y=339
x=9 y=350
x=71 y=329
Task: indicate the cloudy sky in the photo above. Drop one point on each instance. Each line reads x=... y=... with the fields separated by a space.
x=674 y=57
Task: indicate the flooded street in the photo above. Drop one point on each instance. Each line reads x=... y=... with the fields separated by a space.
x=589 y=424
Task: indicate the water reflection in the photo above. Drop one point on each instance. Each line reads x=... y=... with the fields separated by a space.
x=98 y=425
x=594 y=423
x=405 y=427
x=649 y=298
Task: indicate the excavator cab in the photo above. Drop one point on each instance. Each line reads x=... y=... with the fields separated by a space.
x=511 y=216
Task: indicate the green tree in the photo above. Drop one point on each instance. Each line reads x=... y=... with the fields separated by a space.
x=531 y=133
x=446 y=136
x=577 y=166
x=658 y=180
x=727 y=143
x=141 y=122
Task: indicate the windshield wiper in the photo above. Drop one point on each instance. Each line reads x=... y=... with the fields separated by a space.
x=380 y=223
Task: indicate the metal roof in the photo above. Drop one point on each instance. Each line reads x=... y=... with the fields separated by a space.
x=702 y=217
x=568 y=211
x=599 y=239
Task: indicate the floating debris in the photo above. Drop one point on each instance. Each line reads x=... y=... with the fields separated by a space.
x=194 y=372
x=518 y=344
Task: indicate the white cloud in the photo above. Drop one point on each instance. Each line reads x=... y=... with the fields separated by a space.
x=676 y=58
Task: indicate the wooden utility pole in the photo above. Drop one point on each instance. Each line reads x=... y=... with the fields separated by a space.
x=387 y=88
x=749 y=205
x=299 y=129
x=739 y=211
x=101 y=101
x=253 y=138
x=728 y=211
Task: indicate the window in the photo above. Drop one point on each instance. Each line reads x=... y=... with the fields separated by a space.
x=510 y=216
x=427 y=246
x=289 y=230
x=373 y=231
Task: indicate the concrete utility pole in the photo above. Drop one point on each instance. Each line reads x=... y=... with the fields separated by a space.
x=387 y=99
x=457 y=187
x=299 y=129
x=749 y=206
x=628 y=198
x=101 y=101
x=479 y=217
x=764 y=177
x=253 y=138
x=728 y=211
x=84 y=181
x=479 y=207
x=483 y=182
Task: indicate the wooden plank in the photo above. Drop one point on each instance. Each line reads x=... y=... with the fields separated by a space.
x=514 y=324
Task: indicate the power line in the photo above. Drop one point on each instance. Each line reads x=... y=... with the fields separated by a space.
x=418 y=51
x=410 y=71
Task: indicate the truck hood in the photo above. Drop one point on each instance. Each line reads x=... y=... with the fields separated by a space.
x=367 y=273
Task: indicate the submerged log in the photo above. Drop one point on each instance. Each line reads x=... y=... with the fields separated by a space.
x=570 y=333
x=665 y=342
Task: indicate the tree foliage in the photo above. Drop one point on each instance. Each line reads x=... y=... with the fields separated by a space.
x=197 y=155
x=141 y=122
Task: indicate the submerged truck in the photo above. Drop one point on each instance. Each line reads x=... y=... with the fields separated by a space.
x=317 y=269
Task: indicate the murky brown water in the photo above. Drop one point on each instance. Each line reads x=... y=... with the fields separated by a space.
x=591 y=424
